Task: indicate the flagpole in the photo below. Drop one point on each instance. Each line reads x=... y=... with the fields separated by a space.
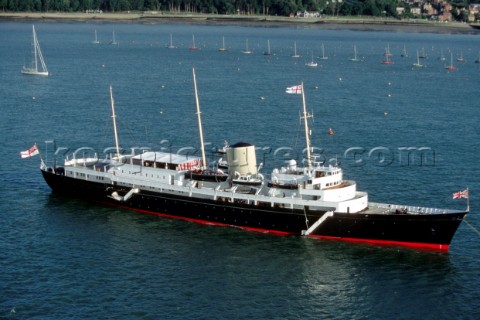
x=39 y=154
x=468 y=200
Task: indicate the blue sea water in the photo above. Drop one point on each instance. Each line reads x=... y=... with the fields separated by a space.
x=62 y=258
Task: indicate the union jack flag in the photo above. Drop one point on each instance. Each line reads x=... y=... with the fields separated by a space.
x=461 y=194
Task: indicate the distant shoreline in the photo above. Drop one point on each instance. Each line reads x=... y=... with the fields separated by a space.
x=337 y=23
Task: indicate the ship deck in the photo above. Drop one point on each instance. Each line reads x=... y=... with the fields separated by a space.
x=385 y=208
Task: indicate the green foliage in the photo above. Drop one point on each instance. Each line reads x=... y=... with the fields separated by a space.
x=375 y=8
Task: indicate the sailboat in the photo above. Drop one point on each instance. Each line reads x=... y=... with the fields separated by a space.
x=37 y=69
x=323 y=57
x=423 y=55
x=311 y=64
x=478 y=59
x=114 y=42
x=417 y=64
x=193 y=46
x=442 y=56
x=268 y=52
x=96 y=39
x=247 y=51
x=404 y=52
x=387 y=56
x=461 y=59
x=295 y=55
x=170 y=46
x=387 y=61
x=451 y=67
x=355 y=59
x=387 y=51
x=223 y=48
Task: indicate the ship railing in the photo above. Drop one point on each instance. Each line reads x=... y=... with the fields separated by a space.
x=410 y=209
x=206 y=193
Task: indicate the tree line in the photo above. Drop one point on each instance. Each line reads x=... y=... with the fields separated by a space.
x=245 y=7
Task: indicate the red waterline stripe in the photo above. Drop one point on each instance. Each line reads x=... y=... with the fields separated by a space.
x=204 y=222
x=417 y=245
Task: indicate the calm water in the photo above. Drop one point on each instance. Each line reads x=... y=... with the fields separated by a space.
x=63 y=258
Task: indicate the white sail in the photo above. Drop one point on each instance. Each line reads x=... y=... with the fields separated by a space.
x=38 y=64
x=96 y=39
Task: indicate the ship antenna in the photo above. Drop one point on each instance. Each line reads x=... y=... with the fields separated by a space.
x=114 y=117
x=307 y=138
x=199 y=119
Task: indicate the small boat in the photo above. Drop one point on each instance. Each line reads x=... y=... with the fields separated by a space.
x=248 y=180
x=247 y=51
x=387 y=60
x=170 y=45
x=38 y=67
x=193 y=47
x=323 y=56
x=222 y=150
x=451 y=67
x=113 y=42
x=223 y=48
x=387 y=51
x=95 y=41
x=478 y=58
x=311 y=64
x=417 y=64
x=460 y=58
x=268 y=52
x=222 y=164
x=82 y=162
x=423 y=55
x=354 y=58
x=295 y=55
x=442 y=56
x=404 y=52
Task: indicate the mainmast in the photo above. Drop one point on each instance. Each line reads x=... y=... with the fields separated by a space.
x=199 y=120
x=307 y=133
x=114 y=117
x=35 y=44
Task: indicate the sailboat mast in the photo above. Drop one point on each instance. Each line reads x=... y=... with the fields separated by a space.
x=307 y=134
x=35 y=44
x=199 y=119
x=114 y=117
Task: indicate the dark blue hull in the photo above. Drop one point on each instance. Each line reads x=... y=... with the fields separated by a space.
x=433 y=231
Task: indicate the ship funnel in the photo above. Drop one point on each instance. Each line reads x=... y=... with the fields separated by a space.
x=241 y=158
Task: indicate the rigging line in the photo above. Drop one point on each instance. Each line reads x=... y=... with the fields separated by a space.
x=107 y=130
x=295 y=139
x=130 y=133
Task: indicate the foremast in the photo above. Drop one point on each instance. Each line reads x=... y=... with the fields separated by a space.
x=114 y=119
x=307 y=131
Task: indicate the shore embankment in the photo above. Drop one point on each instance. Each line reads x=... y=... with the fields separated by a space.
x=349 y=23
